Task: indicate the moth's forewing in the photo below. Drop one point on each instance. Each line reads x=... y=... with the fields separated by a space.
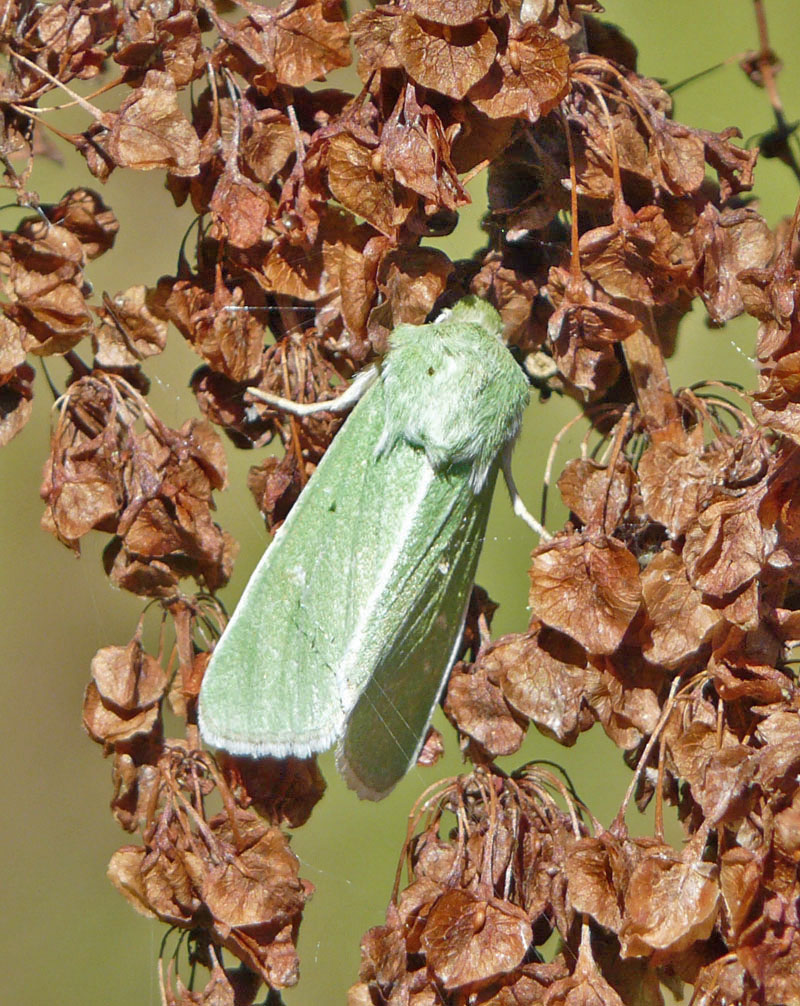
x=272 y=686
x=429 y=592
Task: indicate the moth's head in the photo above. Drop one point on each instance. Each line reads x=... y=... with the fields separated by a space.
x=473 y=310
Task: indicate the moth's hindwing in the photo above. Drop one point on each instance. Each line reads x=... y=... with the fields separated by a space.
x=272 y=686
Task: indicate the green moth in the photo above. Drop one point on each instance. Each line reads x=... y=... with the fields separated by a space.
x=352 y=619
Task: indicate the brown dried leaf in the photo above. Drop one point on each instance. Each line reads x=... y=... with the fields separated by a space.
x=566 y=18
x=414 y=902
x=44 y=263
x=67 y=37
x=124 y=872
x=586 y=986
x=128 y=331
x=415 y=148
x=446 y=59
x=674 y=473
x=157 y=885
x=217 y=323
x=166 y=37
x=639 y=257
x=218 y=991
x=734 y=165
x=544 y=677
x=54 y=314
x=512 y=293
x=83 y=213
x=595 y=157
x=777 y=402
x=476 y=707
x=582 y=331
x=383 y=953
x=741 y=608
x=529 y=77
x=136 y=791
x=740 y=880
x=590 y=867
x=12 y=350
x=719 y=770
x=83 y=483
x=222 y=403
x=16 y=379
x=671 y=902
x=158 y=500
x=241 y=210
x=107 y=726
x=722 y=977
x=448 y=12
x=679 y=623
x=275 y=485
x=726 y=243
x=736 y=677
x=300 y=41
x=724 y=546
x=127 y=678
x=269 y=143
x=372 y=34
x=479 y=138
x=42 y=250
x=677 y=155
x=150 y=130
x=412 y=281
x=468 y=940
x=779 y=757
x=283 y=790
x=432 y=749
x=625 y=696
x=771 y=295
x=596 y=496
x=773 y=963
x=259 y=885
x=82 y=504
x=525 y=185
x=16 y=403
x=357 y=179
x=295 y=272
x=587 y=588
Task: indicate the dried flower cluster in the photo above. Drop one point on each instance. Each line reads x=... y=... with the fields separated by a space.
x=664 y=610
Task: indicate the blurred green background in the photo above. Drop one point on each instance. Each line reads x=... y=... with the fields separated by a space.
x=67 y=936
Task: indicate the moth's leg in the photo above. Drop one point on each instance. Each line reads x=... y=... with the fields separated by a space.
x=345 y=401
x=516 y=500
